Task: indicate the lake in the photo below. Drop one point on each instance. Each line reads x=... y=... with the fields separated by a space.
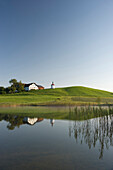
x=33 y=142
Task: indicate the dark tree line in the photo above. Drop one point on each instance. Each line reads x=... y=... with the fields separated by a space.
x=15 y=86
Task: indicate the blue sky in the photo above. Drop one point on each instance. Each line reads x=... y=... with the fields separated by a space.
x=69 y=42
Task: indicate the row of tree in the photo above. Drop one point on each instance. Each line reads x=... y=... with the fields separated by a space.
x=15 y=86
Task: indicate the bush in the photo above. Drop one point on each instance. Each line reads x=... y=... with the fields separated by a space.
x=2 y=90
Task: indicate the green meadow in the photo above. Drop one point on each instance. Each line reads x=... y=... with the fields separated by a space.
x=69 y=96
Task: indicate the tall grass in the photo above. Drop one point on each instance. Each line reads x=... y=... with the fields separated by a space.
x=88 y=112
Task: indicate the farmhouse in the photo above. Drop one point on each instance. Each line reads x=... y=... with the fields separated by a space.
x=32 y=86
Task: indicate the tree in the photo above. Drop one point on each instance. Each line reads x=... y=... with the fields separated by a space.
x=8 y=89
x=13 y=82
x=2 y=90
x=16 y=86
x=13 y=89
x=20 y=86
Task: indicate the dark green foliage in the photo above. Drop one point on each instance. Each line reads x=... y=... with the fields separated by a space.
x=2 y=90
x=16 y=86
x=13 y=89
x=20 y=86
x=8 y=89
x=13 y=82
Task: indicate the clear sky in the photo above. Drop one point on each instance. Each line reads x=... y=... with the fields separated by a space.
x=69 y=42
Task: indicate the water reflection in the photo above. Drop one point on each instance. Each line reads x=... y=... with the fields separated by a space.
x=93 y=132
x=32 y=121
x=52 y=121
x=98 y=131
x=17 y=121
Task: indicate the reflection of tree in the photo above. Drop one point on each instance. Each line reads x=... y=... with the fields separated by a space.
x=93 y=131
x=13 y=120
x=16 y=121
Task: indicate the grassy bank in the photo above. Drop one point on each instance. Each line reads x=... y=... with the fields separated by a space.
x=66 y=113
x=60 y=96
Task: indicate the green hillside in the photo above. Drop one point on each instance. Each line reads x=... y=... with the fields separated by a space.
x=60 y=96
x=74 y=91
x=85 y=91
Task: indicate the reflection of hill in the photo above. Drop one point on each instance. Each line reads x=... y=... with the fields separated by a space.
x=16 y=121
x=93 y=131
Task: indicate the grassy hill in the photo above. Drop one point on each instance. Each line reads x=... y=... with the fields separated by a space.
x=74 y=91
x=76 y=95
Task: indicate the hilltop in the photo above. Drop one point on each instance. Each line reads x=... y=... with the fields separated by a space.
x=74 y=91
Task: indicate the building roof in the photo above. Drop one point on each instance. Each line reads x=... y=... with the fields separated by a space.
x=27 y=85
x=52 y=83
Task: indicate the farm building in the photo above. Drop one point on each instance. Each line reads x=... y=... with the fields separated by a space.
x=32 y=86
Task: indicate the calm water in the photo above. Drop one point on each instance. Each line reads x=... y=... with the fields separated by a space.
x=37 y=143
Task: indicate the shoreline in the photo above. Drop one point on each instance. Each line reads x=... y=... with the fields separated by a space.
x=52 y=105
